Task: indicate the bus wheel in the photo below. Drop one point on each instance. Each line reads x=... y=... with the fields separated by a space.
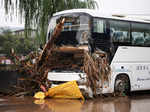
x=122 y=85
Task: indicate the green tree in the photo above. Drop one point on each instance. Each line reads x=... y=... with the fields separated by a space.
x=22 y=46
x=38 y=12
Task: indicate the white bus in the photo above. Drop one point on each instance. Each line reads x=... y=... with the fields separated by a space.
x=126 y=40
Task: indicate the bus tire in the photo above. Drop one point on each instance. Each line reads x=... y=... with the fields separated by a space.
x=122 y=85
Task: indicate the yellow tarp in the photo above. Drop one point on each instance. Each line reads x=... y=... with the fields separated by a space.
x=40 y=95
x=67 y=90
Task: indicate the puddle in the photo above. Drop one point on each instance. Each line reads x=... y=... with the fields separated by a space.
x=28 y=104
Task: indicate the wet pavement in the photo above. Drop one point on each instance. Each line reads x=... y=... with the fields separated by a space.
x=111 y=104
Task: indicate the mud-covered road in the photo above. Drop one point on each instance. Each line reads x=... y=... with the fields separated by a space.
x=113 y=104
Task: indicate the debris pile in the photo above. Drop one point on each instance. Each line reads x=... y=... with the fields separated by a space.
x=97 y=69
x=66 y=57
x=34 y=75
x=54 y=57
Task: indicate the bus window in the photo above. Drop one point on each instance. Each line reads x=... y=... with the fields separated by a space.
x=76 y=29
x=119 y=31
x=137 y=34
x=51 y=27
x=147 y=39
x=99 y=25
x=100 y=36
x=140 y=34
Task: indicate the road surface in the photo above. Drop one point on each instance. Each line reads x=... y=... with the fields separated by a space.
x=136 y=103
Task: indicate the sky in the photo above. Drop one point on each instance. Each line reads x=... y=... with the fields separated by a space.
x=127 y=7
x=7 y=20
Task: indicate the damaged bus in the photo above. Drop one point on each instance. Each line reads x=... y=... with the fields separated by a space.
x=125 y=40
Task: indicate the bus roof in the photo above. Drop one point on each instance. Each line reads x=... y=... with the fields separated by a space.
x=96 y=13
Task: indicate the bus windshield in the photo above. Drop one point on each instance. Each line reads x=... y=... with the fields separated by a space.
x=75 y=31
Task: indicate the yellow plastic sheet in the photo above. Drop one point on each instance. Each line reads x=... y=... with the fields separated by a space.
x=66 y=90
x=40 y=95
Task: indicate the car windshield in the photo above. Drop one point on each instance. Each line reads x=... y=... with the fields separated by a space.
x=75 y=31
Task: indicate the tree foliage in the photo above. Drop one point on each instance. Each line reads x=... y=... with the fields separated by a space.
x=38 y=12
x=22 y=46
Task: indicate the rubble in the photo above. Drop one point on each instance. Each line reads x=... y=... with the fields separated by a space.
x=97 y=69
x=53 y=57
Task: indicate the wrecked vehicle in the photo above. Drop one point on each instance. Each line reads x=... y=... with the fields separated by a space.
x=78 y=56
x=99 y=53
x=99 y=50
